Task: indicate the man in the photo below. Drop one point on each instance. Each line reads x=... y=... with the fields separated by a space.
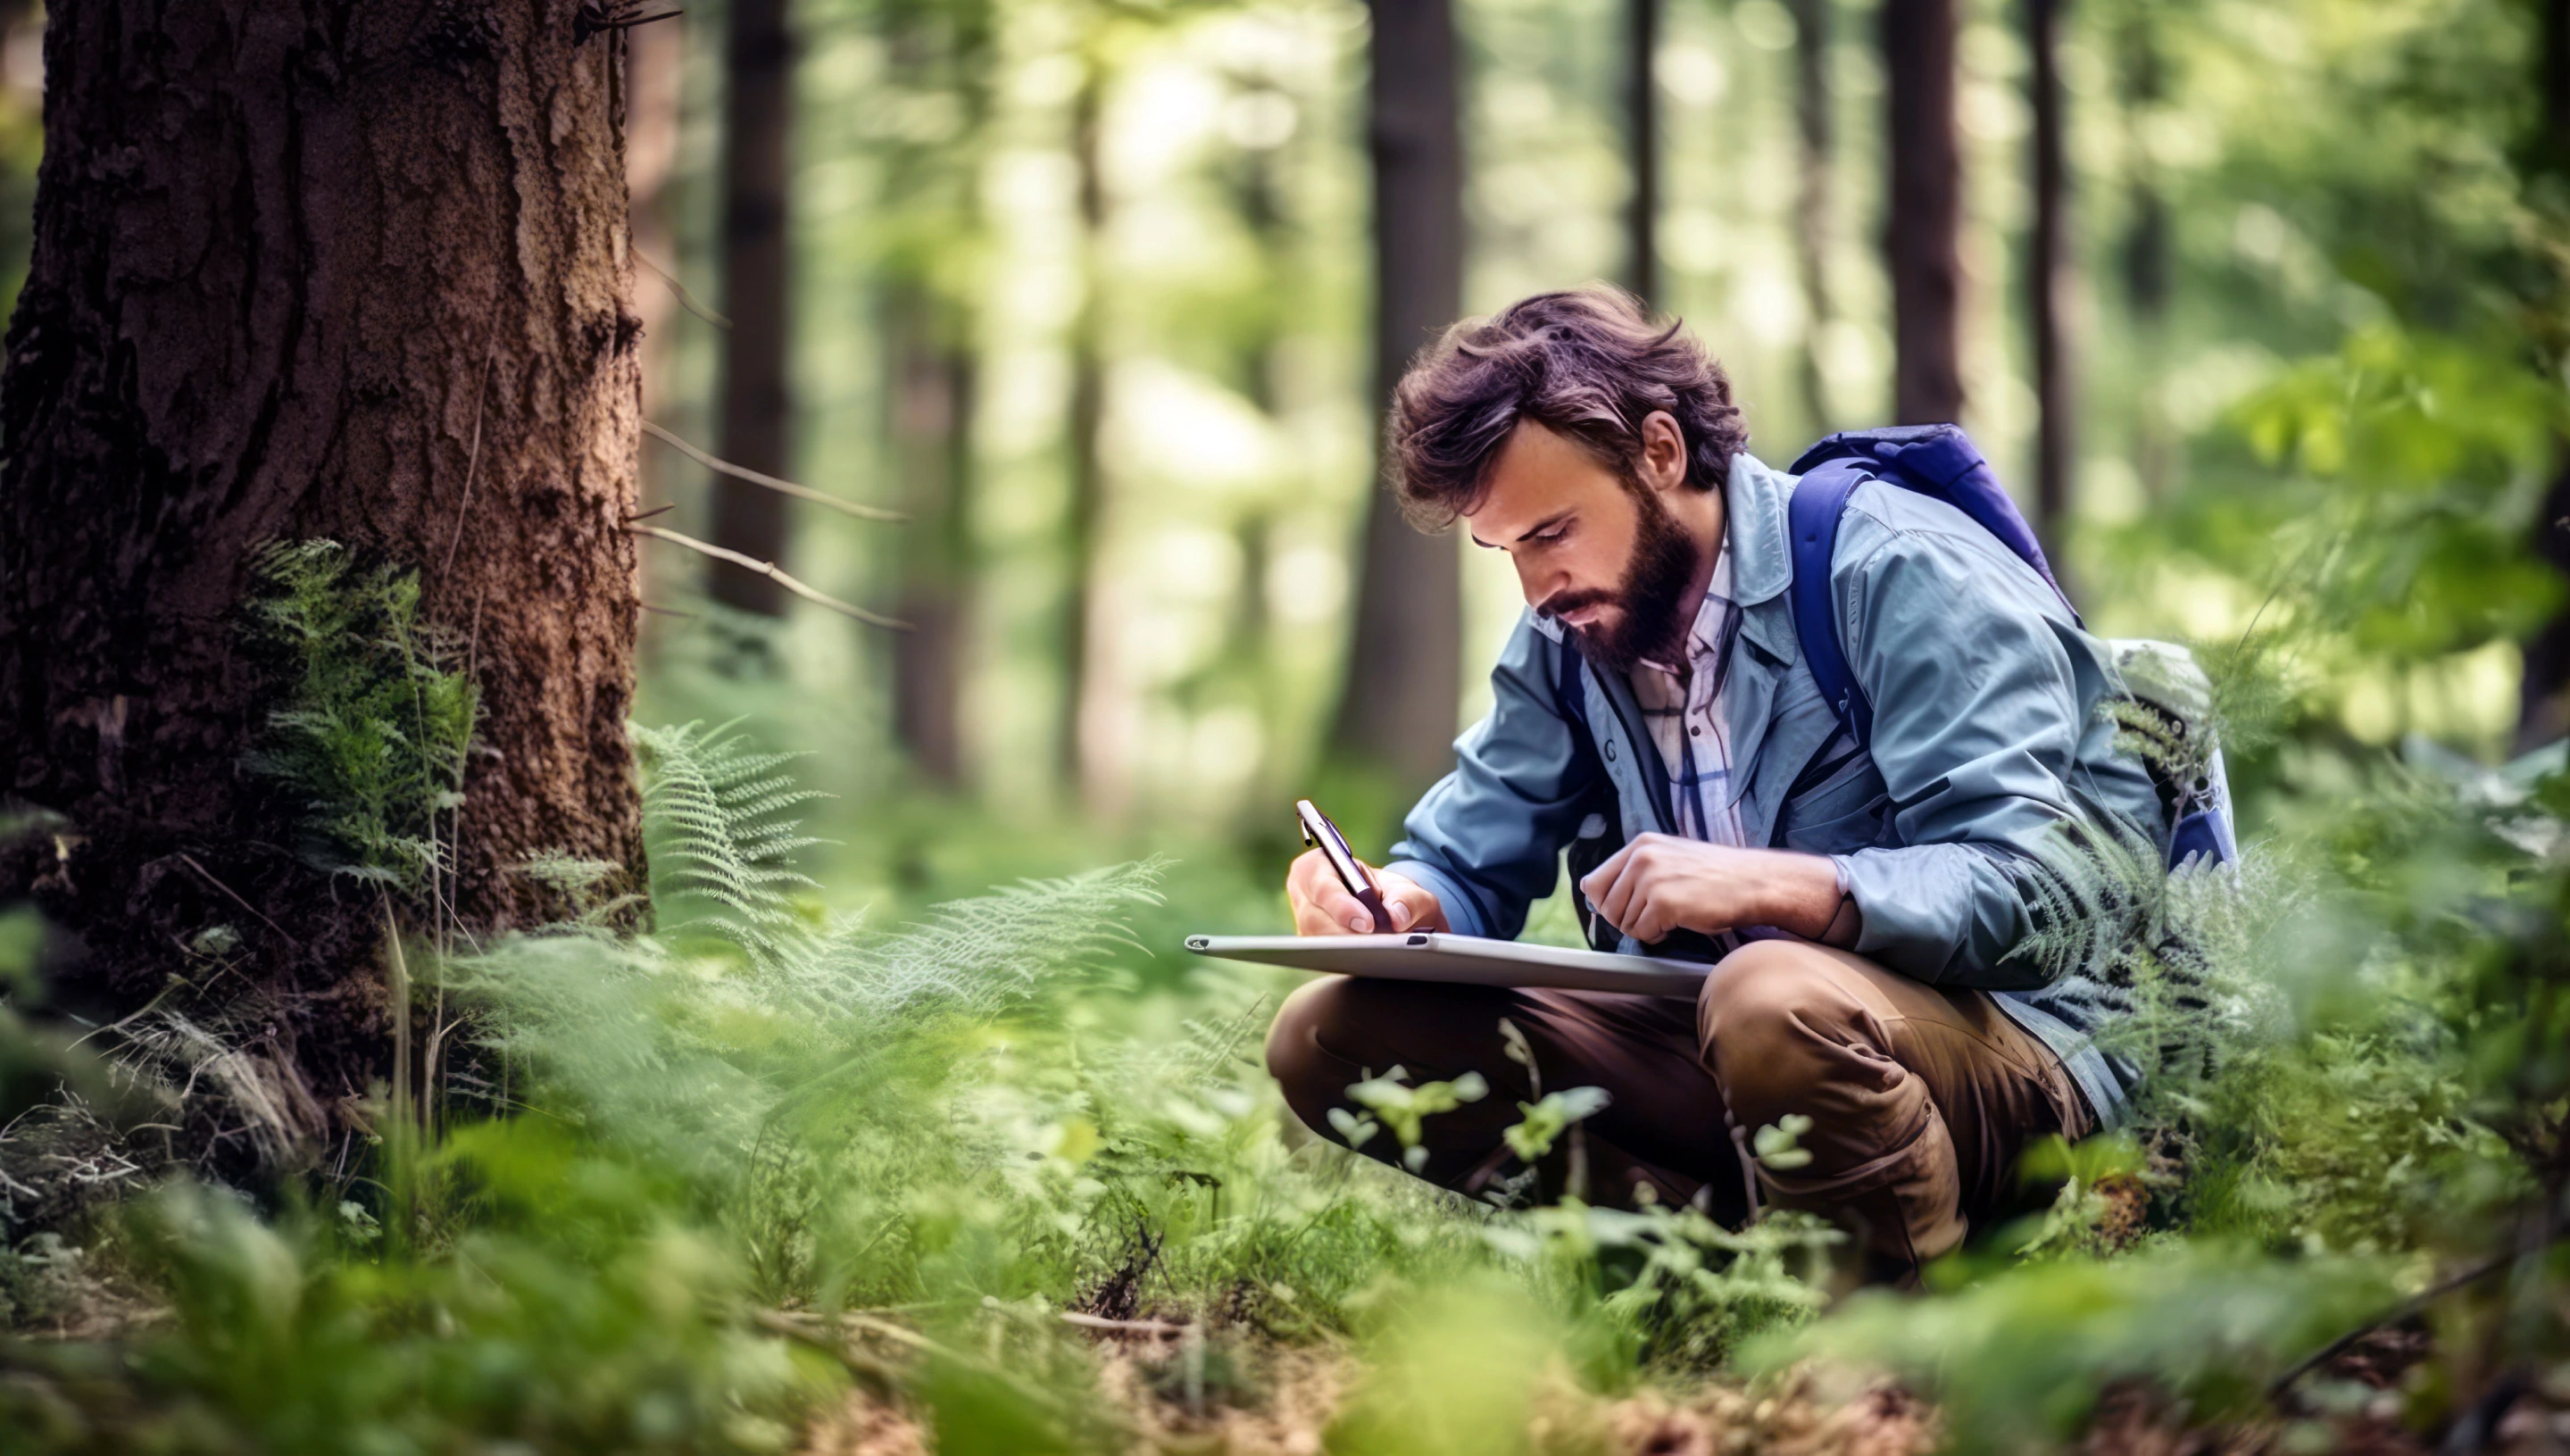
x=1867 y=908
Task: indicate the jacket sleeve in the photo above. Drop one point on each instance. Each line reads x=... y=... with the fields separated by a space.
x=1487 y=838
x=1978 y=719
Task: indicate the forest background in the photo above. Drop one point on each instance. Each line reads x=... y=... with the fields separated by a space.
x=2257 y=305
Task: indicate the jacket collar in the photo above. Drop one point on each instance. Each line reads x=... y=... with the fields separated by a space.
x=1754 y=503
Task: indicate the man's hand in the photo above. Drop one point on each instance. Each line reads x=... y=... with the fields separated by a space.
x=1660 y=882
x=1323 y=906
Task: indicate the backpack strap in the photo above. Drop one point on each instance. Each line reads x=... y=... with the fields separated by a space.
x=1812 y=527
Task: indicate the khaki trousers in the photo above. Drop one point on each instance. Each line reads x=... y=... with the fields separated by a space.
x=1921 y=1098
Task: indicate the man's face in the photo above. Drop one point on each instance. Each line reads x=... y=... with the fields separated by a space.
x=1603 y=557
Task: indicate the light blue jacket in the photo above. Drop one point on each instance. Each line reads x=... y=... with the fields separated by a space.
x=1988 y=736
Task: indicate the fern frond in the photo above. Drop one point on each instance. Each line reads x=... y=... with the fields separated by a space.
x=724 y=836
x=973 y=956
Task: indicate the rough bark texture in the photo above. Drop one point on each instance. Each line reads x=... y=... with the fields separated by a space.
x=757 y=269
x=2048 y=283
x=1397 y=717
x=1922 y=231
x=290 y=263
x=1643 y=148
x=1816 y=158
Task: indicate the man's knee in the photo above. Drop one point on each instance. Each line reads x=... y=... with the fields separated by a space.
x=1297 y=1052
x=1771 y=1015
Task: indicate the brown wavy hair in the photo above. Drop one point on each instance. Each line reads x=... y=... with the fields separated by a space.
x=1587 y=363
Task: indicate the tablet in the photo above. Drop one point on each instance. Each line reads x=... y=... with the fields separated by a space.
x=1468 y=959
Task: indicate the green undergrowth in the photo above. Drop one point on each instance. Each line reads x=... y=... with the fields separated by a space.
x=670 y=1166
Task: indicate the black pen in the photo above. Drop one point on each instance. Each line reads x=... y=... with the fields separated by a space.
x=1319 y=833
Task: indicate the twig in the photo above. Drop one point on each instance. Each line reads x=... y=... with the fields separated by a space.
x=190 y=860
x=666 y=611
x=654 y=511
x=783 y=487
x=769 y=570
x=473 y=462
x=2408 y=1308
x=1124 y=1326
x=687 y=300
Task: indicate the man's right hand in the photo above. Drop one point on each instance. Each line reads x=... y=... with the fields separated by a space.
x=1323 y=906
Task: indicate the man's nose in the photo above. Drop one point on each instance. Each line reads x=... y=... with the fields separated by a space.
x=1539 y=584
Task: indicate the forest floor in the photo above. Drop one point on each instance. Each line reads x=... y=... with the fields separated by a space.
x=1280 y=1400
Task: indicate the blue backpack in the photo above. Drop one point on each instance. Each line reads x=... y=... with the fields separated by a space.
x=2170 y=693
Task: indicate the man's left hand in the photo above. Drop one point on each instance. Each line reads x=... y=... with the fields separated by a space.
x=1660 y=882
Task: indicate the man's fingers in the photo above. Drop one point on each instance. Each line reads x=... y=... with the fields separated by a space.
x=1606 y=870
x=1322 y=905
x=1614 y=898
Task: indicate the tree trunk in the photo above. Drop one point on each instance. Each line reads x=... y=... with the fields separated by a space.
x=933 y=381
x=1923 y=235
x=355 y=272
x=1084 y=736
x=1642 y=144
x=1405 y=666
x=2543 y=693
x=757 y=266
x=2048 y=283
x=2146 y=258
x=1813 y=127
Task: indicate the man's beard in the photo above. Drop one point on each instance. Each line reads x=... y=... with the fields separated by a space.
x=1651 y=621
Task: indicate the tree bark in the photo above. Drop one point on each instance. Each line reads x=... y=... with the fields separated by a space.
x=2049 y=283
x=1405 y=666
x=1814 y=129
x=347 y=270
x=1643 y=148
x=757 y=266
x=1923 y=235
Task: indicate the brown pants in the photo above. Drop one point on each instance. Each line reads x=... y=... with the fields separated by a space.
x=1920 y=1099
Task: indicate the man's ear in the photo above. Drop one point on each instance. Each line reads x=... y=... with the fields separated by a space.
x=1664 y=451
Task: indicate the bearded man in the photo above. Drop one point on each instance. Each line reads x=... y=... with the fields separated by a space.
x=1865 y=904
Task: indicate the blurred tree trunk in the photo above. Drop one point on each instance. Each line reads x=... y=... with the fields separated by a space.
x=1642 y=147
x=941 y=52
x=2146 y=252
x=2544 y=695
x=1923 y=233
x=933 y=384
x=1405 y=661
x=353 y=272
x=758 y=276
x=1082 y=738
x=2048 y=287
x=1814 y=129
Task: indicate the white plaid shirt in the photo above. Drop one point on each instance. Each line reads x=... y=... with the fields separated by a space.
x=1683 y=707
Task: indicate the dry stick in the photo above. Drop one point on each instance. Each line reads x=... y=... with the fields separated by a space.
x=473 y=462
x=783 y=487
x=190 y=860
x=2408 y=1308
x=769 y=570
x=687 y=300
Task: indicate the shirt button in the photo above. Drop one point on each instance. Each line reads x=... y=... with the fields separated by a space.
x=1695 y=732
